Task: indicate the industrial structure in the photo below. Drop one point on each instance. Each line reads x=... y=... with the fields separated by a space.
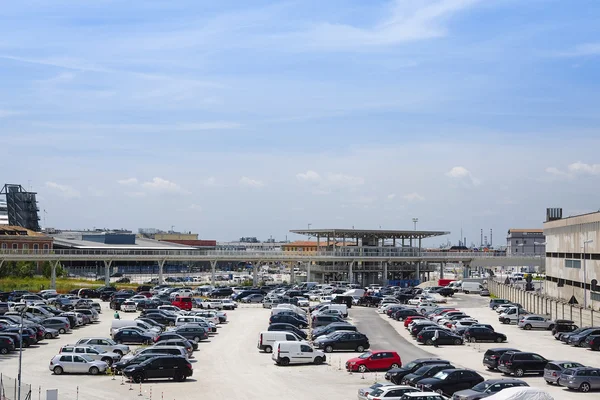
x=572 y=257
x=3 y=211
x=21 y=207
x=526 y=241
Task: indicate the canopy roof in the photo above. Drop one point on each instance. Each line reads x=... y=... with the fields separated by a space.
x=368 y=233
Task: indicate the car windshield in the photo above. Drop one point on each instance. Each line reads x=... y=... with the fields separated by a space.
x=365 y=355
x=86 y=357
x=422 y=370
x=376 y=393
x=410 y=365
x=571 y=365
x=481 y=387
x=441 y=375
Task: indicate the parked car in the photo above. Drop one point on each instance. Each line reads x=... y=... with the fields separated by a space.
x=483 y=335
x=592 y=342
x=380 y=360
x=286 y=353
x=449 y=381
x=579 y=339
x=528 y=322
x=166 y=366
x=76 y=364
x=554 y=369
x=229 y=304
x=563 y=326
x=97 y=354
x=61 y=324
x=337 y=326
x=364 y=392
x=288 y=319
x=521 y=363
x=426 y=371
x=105 y=344
x=354 y=341
x=484 y=292
x=401 y=314
x=128 y=306
x=121 y=365
x=195 y=333
x=445 y=337
x=422 y=396
x=487 y=389
x=391 y=392
x=7 y=344
x=583 y=379
x=287 y=328
x=324 y=320
x=492 y=356
x=131 y=335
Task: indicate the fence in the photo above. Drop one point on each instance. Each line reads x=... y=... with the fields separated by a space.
x=9 y=389
x=540 y=304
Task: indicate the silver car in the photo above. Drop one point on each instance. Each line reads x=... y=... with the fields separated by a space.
x=362 y=393
x=528 y=322
x=76 y=364
x=105 y=344
x=583 y=379
x=554 y=369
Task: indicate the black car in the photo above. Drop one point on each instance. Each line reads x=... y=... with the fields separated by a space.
x=563 y=326
x=116 y=301
x=148 y=304
x=444 y=337
x=191 y=332
x=418 y=327
x=121 y=365
x=477 y=334
x=426 y=371
x=162 y=319
x=461 y=331
x=7 y=344
x=395 y=375
x=126 y=335
x=487 y=388
x=592 y=342
x=220 y=292
x=288 y=319
x=579 y=339
x=521 y=363
x=288 y=328
x=491 y=356
x=175 y=367
x=324 y=320
x=564 y=336
x=354 y=341
x=401 y=314
x=337 y=326
x=448 y=382
x=445 y=291
x=88 y=294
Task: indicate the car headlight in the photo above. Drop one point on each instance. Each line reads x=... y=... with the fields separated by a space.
x=352 y=362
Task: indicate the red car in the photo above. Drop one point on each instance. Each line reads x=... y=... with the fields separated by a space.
x=184 y=303
x=410 y=319
x=378 y=360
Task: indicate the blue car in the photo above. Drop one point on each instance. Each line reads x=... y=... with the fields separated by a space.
x=132 y=336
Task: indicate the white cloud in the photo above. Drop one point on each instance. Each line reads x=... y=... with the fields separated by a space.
x=128 y=181
x=343 y=180
x=413 y=197
x=195 y=207
x=464 y=175
x=249 y=182
x=309 y=176
x=583 y=168
x=391 y=196
x=163 y=185
x=210 y=181
x=65 y=191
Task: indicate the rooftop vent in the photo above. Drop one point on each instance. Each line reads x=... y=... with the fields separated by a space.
x=553 y=214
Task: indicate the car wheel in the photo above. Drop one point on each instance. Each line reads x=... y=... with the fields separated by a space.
x=94 y=371
x=25 y=343
x=268 y=349
x=118 y=341
x=429 y=342
x=138 y=378
x=494 y=308
x=62 y=331
x=318 y=360
x=57 y=370
x=423 y=311
x=362 y=368
x=179 y=377
x=551 y=328
x=4 y=350
x=440 y=391
x=119 y=352
x=527 y=327
x=506 y=321
x=48 y=336
x=457 y=341
x=466 y=292
x=107 y=360
x=549 y=383
x=584 y=387
x=328 y=349
x=285 y=361
x=519 y=372
x=394 y=365
x=360 y=349
x=196 y=339
x=499 y=340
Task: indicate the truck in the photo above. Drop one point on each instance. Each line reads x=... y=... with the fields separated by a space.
x=471 y=287
x=445 y=282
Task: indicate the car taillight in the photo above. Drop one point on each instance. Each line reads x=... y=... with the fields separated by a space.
x=508 y=363
x=261 y=338
x=420 y=336
x=554 y=373
x=493 y=357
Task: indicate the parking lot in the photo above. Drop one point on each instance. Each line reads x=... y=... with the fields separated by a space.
x=229 y=365
x=537 y=341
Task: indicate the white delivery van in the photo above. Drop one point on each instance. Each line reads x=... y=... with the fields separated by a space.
x=267 y=339
x=471 y=287
x=286 y=353
x=354 y=292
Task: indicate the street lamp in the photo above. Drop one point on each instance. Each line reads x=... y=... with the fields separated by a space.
x=585 y=274
x=415 y=220
x=309 y=225
x=21 y=310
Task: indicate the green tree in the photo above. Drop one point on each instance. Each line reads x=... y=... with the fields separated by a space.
x=24 y=269
x=47 y=270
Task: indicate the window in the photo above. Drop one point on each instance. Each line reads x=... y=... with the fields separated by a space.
x=67 y=350
x=306 y=349
x=36 y=247
x=46 y=247
x=3 y=246
x=572 y=263
x=79 y=350
x=15 y=246
x=66 y=359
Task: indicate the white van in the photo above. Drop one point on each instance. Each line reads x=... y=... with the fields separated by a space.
x=286 y=353
x=342 y=308
x=471 y=287
x=267 y=339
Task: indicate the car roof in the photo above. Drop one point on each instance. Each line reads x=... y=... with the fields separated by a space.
x=422 y=394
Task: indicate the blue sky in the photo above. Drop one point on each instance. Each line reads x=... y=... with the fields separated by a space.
x=251 y=118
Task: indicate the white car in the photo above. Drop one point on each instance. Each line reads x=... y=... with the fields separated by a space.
x=228 y=304
x=302 y=302
x=137 y=298
x=182 y=293
x=362 y=393
x=128 y=306
x=76 y=364
x=418 y=299
x=105 y=344
x=463 y=324
x=504 y=307
x=326 y=299
x=391 y=392
x=426 y=306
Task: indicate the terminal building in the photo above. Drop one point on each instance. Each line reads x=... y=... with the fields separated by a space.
x=573 y=257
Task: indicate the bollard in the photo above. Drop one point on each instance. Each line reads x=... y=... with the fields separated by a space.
x=363 y=376
x=113 y=374
x=122 y=379
x=140 y=389
x=375 y=381
x=40 y=393
x=130 y=386
x=339 y=364
x=150 y=392
x=77 y=398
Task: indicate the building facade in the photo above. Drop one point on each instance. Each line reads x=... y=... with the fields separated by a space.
x=526 y=241
x=573 y=258
x=3 y=212
x=17 y=238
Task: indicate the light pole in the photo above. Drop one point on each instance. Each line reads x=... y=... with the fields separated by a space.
x=585 y=274
x=415 y=220
x=309 y=225
x=21 y=310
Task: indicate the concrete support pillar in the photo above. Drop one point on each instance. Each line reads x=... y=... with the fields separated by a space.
x=350 y=273
x=53 y=266
x=292 y=273
x=107 y=264
x=442 y=267
x=213 y=269
x=161 y=278
x=385 y=273
x=394 y=242
x=308 y=271
x=255 y=273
